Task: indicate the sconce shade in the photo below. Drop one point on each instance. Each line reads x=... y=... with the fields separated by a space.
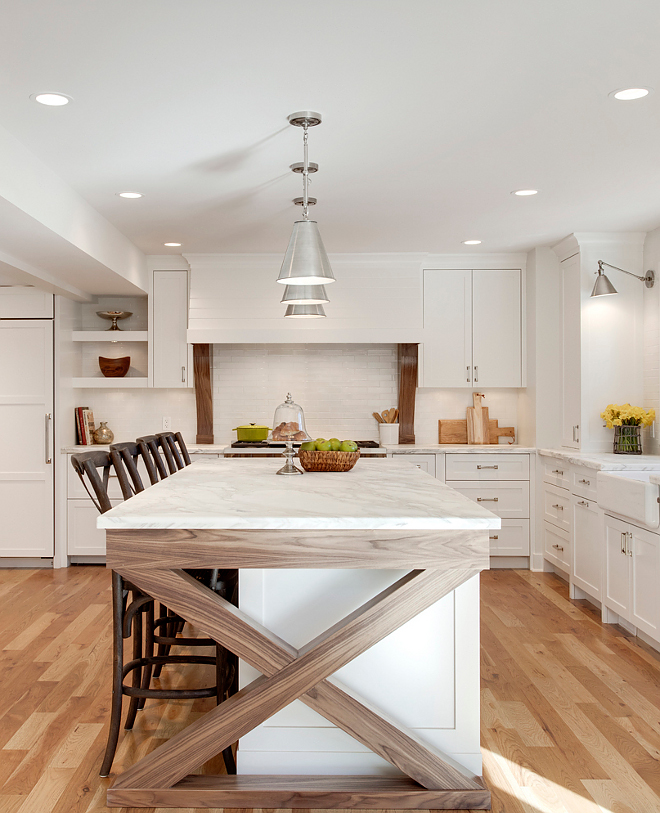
x=304 y=295
x=602 y=286
x=305 y=311
x=305 y=261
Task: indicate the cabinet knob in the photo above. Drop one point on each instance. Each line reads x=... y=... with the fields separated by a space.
x=557 y=471
x=494 y=537
x=586 y=482
x=583 y=502
x=559 y=547
x=558 y=507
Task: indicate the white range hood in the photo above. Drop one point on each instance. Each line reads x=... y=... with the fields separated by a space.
x=377 y=298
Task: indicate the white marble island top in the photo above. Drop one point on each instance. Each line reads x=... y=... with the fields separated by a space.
x=248 y=495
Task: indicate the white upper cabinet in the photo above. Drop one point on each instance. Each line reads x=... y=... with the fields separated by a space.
x=24 y=302
x=170 y=326
x=447 y=329
x=473 y=328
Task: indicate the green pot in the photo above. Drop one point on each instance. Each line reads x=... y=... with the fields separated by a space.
x=252 y=432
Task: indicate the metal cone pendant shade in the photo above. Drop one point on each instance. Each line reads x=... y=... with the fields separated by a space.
x=602 y=286
x=305 y=261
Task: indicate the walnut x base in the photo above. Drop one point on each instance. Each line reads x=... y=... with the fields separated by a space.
x=154 y=561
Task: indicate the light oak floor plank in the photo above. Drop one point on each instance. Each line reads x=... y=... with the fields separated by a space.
x=570 y=707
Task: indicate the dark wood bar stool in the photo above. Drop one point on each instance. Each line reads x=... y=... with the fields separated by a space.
x=129 y=606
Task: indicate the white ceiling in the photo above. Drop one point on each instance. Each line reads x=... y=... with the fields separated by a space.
x=434 y=110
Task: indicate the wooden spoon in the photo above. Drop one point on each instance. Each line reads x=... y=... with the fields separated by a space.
x=377 y=417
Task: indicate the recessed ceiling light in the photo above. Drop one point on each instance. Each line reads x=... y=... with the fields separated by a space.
x=172 y=244
x=524 y=192
x=630 y=94
x=51 y=99
x=130 y=194
x=471 y=242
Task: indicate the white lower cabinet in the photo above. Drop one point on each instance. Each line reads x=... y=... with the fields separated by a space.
x=512 y=539
x=556 y=546
x=586 y=572
x=632 y=574
x=84 y=538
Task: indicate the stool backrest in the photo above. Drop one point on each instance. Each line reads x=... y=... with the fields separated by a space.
x=175 y=450
x=87 y=465
x=124 y=458
x=150 y=446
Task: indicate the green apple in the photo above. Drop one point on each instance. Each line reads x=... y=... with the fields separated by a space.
x=319 y=440
x=308 y=446
x=335 y=444
x=323 y=445
x=348 y=446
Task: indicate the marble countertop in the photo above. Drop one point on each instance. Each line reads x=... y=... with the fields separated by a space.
x=604 y=461
x=279 y=449
x=247 y=495
x=437 y=448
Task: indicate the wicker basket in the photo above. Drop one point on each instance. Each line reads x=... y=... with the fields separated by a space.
x=328 y=461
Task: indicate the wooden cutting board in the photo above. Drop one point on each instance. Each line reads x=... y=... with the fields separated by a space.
x=477 y=421
x=455 y=431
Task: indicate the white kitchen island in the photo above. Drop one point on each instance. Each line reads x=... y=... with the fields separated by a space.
x=357 y=630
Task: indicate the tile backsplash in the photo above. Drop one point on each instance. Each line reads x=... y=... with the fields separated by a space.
x=337 y=385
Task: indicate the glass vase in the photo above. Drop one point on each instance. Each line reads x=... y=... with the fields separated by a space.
x=627 y=440
x=104 y=435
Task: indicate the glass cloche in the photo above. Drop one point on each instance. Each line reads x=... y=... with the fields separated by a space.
x=289 y=423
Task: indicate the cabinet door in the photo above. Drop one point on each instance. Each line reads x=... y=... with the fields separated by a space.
x=447 y=329
x=616 y=581
x=26 y=440
x=497 y=328
x=170 y=324
x=644 y=552
x=83 y=537
x=588 y=541
x=571 y=363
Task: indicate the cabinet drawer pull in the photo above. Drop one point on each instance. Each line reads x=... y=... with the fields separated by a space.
x=559 y=547
x=586 y=482
x=488 y=499
x=468 y=374
x=623 y=543
x=49 y=418
x=494 y=537
x=558 y=507
x=488 y=467
x=629 y=547
x=183 y=375
x=583 y=502
x=476 y=373
x=557 y=471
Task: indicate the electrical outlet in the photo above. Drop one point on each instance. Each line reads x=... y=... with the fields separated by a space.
x=167 y=424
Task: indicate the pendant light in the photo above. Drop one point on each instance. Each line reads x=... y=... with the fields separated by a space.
x=304 y=295
x=305 y=261
x=305 y=312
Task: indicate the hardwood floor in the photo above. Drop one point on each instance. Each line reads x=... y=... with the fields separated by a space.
x=570 y=708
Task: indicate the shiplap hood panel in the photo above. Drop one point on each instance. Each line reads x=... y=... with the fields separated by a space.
x=236 y=299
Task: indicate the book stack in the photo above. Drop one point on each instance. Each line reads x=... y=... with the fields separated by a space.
x=84 y=426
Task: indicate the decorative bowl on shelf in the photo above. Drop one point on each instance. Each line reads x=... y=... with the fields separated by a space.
x=114 y=368
x=114 y=315
x=328 y=461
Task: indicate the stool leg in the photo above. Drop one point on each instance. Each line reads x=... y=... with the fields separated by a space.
x=222 y=689
x=163 y=649
x=137 y=673
x=148 y=650
x=117 y=671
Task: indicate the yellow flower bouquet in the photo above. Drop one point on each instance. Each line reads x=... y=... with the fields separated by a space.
x=627 y=421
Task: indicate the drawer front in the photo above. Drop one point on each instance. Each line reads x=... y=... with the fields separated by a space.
x=556 y=546
x=509 y=500
x=583 y=483
x=512 y=539
x=557 y=507
x=425 y=462
x=556 y=472
x=487 y=467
